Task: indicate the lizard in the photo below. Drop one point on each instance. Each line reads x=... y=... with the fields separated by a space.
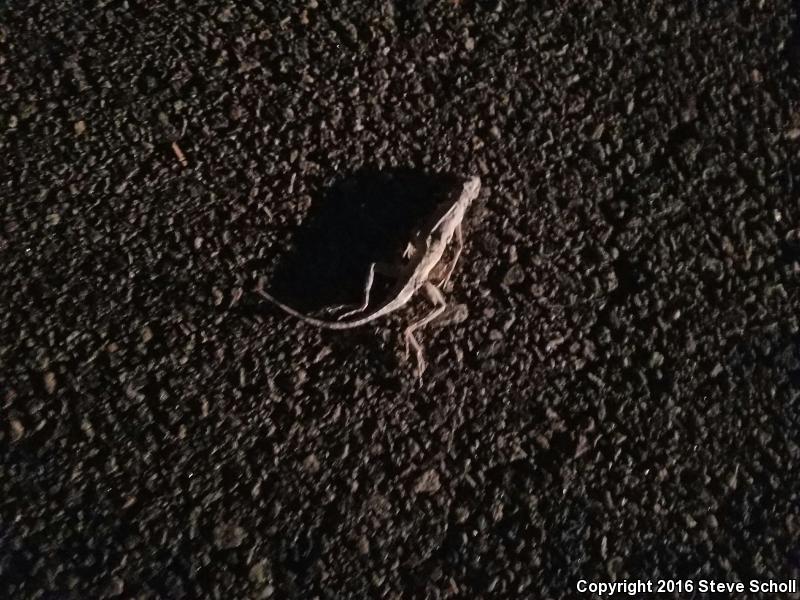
x=425 y=253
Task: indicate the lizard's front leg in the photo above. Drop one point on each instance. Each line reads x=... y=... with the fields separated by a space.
x=459 y=236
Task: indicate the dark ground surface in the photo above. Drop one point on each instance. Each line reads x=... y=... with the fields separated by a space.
x=621 y=401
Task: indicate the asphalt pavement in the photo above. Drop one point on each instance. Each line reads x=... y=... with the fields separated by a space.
x=613 y=395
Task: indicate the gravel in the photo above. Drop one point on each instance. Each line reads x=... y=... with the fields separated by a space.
x=617 y=399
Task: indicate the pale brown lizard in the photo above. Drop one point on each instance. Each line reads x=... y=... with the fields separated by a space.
x=425 y=253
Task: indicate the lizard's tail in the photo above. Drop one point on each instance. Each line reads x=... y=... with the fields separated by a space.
x=308 y=319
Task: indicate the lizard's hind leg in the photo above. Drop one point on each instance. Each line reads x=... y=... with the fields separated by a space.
x=329 y=310
x=367 y=289
x=435 y=295
x=383 y=269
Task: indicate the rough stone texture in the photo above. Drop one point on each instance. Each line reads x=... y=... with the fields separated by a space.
x=622 y=399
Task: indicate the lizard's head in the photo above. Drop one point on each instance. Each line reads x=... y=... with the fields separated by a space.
x=472 y=187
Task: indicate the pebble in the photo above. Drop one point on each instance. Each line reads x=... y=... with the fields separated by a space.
x=115 y=587
x=258 y=572
x=228 y=536
x=50 y=382
x=311 y=463
x=514 y=275
x=428 y=483
x=17 y=429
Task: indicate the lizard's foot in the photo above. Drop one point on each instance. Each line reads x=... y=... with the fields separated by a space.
x=335 y=308
x=411 y=342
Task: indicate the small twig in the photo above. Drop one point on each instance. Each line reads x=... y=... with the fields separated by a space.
x=179 y=154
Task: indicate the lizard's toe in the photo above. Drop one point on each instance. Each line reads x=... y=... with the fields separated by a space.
x=421 y=368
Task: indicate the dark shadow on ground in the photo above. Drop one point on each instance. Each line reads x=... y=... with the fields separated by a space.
x=366 y=217
x=792 y=47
